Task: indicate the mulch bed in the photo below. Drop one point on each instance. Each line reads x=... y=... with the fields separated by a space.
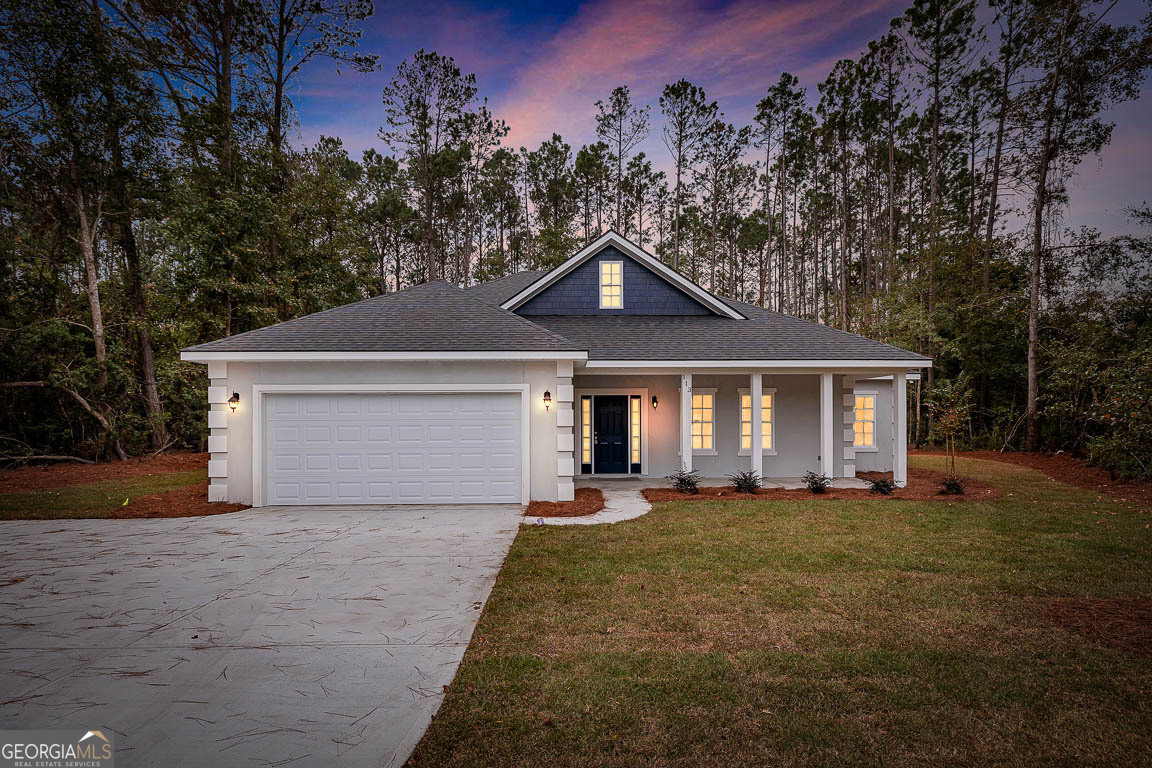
x=586 y=501
x=923 y=485
x=1065 y=468
x=1120 y=623
x=45 y=477
x=189 y=501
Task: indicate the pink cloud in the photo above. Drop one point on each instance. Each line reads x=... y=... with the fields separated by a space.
x=734 y=54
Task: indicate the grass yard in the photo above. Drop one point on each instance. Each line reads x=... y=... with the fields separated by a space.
x=813 y=633
x=101 y=499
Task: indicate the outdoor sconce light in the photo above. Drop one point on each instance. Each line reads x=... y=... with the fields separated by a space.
x=234 y=401
x=655 y=402
x=547 y=399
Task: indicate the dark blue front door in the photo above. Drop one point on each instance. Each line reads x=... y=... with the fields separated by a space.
x=610 y=433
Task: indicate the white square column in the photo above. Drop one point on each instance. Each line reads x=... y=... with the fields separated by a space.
x=900 y=429
x=828 y=423
x=686 y=422
x=565 y=437
x=756 y=390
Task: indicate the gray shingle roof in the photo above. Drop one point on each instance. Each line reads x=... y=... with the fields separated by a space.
x=433 y=317
x=439 y=317
x=500 y=290
x=765 y=335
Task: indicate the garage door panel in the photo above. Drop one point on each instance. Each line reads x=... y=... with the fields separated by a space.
x=392 y=448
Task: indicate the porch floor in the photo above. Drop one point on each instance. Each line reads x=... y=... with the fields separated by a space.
x=645 y=481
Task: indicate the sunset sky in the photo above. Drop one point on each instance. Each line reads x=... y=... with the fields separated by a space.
x=542 y=65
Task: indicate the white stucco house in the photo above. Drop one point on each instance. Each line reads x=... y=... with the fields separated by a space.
x=610 y=365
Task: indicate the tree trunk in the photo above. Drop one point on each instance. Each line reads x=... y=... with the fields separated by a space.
x=1039 y=203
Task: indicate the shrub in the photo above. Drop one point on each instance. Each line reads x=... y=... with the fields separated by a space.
x=745 y=482
x=883 y=486
x=952 y=485
x=685 y=481
x=815 y=482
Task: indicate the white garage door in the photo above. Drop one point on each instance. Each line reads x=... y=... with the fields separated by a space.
x=392 y=448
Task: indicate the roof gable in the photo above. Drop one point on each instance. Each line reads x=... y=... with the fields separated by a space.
x=650 y=286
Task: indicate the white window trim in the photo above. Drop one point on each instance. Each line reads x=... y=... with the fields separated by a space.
x=715 y=434
x=875 y=447
x=739 y=395
x=600 y=284
x=258 y=426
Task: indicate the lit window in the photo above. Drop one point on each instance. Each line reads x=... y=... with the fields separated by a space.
x=864 y=426
x=703 y=421
x=585 y=430
x=766 y=427
x=611 y=285
x=635 y=431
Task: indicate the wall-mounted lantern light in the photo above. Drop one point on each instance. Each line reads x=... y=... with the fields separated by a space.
x=655 y=402
x=547 y=399
x=234 y=401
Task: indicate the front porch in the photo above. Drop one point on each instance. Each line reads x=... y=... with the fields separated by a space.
x=645 y=424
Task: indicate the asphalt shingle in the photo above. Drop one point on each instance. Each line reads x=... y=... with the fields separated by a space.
x=433 y=317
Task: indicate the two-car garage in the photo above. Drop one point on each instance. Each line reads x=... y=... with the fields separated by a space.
x=392 y=447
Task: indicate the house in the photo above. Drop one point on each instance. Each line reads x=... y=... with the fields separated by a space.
x=612 y=364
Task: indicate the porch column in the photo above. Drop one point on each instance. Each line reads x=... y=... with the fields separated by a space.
x=900 y=429
x=756 y=390
x=827 y=425
x=686 y=422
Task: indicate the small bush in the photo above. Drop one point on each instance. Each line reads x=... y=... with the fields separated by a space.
x=685 y=482
x=952 y=485
x=815 y=482
x=745 y=482
x=883 y=486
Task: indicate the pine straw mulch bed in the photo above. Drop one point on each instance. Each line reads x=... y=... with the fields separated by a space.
x=1064 y=468
x=1118 y=622
x=189 y=501
x=923 y=485
x=586 y=501
x=47 y=477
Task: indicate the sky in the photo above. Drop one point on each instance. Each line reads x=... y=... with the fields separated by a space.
x=543 y=65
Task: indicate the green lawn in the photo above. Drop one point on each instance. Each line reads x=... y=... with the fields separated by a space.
x=812 y=633
x=93 y=500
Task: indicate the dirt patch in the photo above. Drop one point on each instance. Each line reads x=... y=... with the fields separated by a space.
x=1120 y=623
x=1065 y=468
x=586 y=501
x=189 y=501
x=923 y=485
x=40 y=478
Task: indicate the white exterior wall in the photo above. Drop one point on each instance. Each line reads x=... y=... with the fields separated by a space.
x=232 y=475
x=797 y=421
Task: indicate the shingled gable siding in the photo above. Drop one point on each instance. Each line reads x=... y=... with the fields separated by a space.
x=645 y=293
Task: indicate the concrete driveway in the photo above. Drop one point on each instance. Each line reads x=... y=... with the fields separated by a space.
x=280 y=636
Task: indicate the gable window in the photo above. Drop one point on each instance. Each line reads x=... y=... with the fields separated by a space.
x=611 y=285
x=767 y=427
x=704 y=421
x=864 y=423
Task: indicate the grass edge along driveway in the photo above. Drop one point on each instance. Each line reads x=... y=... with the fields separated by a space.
x=99 y=499
x=812 y=633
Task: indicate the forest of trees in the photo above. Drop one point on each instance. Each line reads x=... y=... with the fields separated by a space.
x=153 y=198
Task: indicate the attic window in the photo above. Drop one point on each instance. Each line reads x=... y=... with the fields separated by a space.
x=611 y=285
